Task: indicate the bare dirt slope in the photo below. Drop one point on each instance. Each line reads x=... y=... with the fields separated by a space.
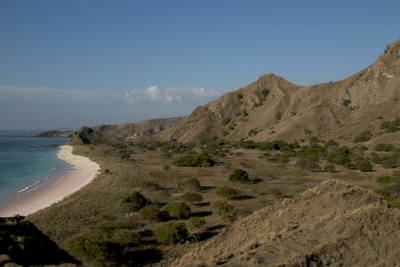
x=338 y=109
x=334 y=224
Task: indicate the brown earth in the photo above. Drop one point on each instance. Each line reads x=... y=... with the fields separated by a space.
x=338 y=109
x=335 y=223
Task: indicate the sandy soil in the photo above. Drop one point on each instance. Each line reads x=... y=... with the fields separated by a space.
x=84 y=171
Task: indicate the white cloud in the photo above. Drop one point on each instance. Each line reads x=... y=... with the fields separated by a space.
x=169 y=95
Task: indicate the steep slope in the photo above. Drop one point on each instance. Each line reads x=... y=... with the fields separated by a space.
x=333 y=224
x=290 y=111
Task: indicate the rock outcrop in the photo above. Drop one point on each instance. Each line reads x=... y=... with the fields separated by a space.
x=86 y=136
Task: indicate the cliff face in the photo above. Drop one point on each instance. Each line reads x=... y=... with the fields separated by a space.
x=87 y=136
x=290 y=111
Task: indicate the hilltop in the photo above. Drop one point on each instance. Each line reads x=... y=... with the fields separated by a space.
x=272 y=108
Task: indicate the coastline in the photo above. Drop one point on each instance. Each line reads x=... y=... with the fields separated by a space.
x=83 y=172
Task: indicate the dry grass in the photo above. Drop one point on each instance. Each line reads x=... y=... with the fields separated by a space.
x=98 y=205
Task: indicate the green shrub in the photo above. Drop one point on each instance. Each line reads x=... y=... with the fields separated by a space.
x=239 y=96
x=200 y=160
x=197 y=222
x=252 y=132
x=265 y=92
x=221 y=208
x=226 y=121
x=245 y=113
x=191 y=197
x=384 y=179
x=178 y=210
x=384 y=147
x=172 y=233
x=136 y=201
x=278 y=116
x=226 y=192
x=307 y=164
x=363 y=137
x=86 y=247
x=346 y=102
x=150 y=213
x=239 y=175
x=314 y=139
x=106 y=171
x=364 y=166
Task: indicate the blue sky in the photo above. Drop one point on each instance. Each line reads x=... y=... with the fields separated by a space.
x=68 y=63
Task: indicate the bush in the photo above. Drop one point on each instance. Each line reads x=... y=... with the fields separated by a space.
x=307 y=164
x=245 y=113
x=191 y=197
x=364 y=166
x=172 y=233
x=226 y=121
x=239 y=175
x=106 y=171
x=265 y=92
x=150 y=213
x=221 y=208
x=178 y=210
x=239 y=96
x=346 y=102
x=363 y=137
x=136 y=200
x=86 y=247
x=197 y=222
x=200 y=160
x=226 y=192
x=252 y=132
x=384 y=147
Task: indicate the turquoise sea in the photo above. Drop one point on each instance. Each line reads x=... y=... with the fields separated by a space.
x=27 y=162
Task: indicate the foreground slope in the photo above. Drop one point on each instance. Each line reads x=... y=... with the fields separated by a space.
x=333 y=224
x=289 y=111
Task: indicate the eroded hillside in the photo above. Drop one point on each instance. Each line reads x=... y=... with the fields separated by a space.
x=272 y=108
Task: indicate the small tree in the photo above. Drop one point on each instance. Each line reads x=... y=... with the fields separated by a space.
x=178 y=210
x=150 y=213
x=265 y=92
x=136 y=200
x=171 y=233
x=364 y=166
x=239 y=96
x=239 y=175
x=226 y=192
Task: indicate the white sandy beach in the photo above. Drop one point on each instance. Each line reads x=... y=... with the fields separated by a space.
x=84 y=171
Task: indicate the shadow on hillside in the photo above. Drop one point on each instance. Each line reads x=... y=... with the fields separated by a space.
x=140 y=257
x=26 y=245
x=205 y=188
x=201 y=214
x=243 y=197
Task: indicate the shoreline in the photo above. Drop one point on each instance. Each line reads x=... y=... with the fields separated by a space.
x=83 y=172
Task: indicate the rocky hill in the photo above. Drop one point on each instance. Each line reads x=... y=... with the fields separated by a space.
x=272 y=108
x=334 y=224
x=122 y=131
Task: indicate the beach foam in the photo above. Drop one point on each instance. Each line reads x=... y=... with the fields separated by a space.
x=84 y=171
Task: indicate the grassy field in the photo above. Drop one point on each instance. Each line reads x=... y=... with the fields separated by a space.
x=94 y=227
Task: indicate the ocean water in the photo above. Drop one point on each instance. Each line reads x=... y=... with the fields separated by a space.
x=26 y=162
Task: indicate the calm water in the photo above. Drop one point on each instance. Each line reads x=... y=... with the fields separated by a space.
x=26 y=162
